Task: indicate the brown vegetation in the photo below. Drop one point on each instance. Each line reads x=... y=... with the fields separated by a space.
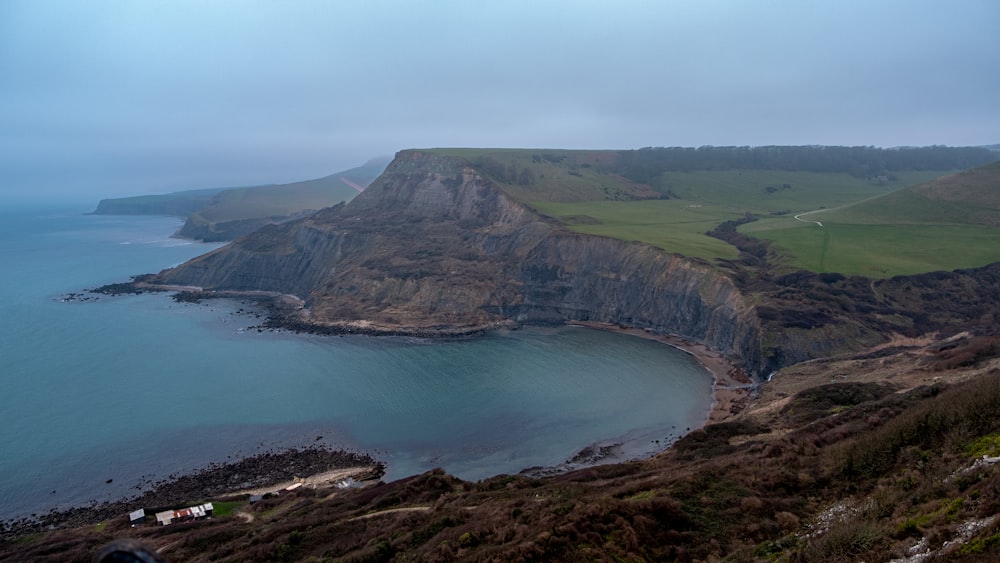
x=886 y=453
x=837 y=471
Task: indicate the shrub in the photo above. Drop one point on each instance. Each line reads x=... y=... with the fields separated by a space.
x=468 y=539
x=823 y=400
x=981 y=545
x=787 y=521
x=846 y=540
x=962 y=413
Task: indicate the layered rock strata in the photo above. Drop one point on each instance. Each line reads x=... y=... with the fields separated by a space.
x=433 y=246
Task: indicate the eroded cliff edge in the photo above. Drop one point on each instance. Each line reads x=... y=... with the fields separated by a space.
x=433 y=246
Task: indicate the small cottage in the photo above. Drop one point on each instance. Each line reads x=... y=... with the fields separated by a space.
x=198 y=512
x=137 y=517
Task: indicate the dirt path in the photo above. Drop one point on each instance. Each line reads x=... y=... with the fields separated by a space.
x=391 y=511
x=352 y=184
x=800 y=215
x=318 y=480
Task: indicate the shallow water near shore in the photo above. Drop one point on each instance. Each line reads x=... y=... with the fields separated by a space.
x=132 y=389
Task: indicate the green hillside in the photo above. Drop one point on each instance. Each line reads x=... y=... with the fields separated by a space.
x=674 y=225
x=949 y=223
x=555 y=175
x=287 y=199
x=227 y=213
x=180 y=204
x=707 y=198
x=671 y=198
x=971 y=197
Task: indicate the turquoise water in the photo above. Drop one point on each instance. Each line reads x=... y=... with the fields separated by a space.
x=136 y=388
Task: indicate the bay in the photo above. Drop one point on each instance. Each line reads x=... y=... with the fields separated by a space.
x=132 y=389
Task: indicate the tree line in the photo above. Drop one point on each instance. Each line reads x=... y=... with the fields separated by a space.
x=646 y=164
x=507 y=173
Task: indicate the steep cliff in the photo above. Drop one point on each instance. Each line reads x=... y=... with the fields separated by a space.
x=805 y=315
x=569 y=276
x=434 y=246
x=199 y=228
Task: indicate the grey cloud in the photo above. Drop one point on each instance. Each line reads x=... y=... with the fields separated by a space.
x=132 y=97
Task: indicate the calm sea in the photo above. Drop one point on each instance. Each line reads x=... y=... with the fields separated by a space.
x=136 y=388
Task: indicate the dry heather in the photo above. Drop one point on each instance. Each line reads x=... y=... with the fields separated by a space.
x=833 y=462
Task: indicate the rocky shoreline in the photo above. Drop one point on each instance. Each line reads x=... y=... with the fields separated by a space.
x=214 y=481
x=284 y=312
x=283 y=316
x=732 y=391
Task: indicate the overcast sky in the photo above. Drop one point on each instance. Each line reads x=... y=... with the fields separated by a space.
x=106 y=98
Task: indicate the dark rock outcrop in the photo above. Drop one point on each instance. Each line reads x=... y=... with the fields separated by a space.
x=569 y=276
x=433 y=245
x=807 y=315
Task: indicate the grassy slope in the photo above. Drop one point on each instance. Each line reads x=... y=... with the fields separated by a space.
x=274 y=201
x=558 y=175
x=178 y=203
x=748 y=190
x=674 y=225
x=255 y=202
x=571 y=187
x=287 y=199
x=946 y=224
x=709 y=198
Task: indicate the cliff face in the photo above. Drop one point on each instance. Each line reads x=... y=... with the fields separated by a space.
x=198 y=228
x=433 y=245
x=580 y=277
x=806 y=315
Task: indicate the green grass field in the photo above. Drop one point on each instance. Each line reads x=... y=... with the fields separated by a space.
x=907 y=223
x=868 y=229
x=227 y=508
x=947 y=224
x=288 y=199
x=273 y=201
x=880 y=251
x=673 y=225
x=556 y=175
x=710 y=198
x=769 y=191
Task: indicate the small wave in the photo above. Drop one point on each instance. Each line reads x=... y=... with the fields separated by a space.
x=161 y=242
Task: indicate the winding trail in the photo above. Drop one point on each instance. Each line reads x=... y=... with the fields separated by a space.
x=391 y=511
x=800 y=215
x=826 y=234
x=838 y=208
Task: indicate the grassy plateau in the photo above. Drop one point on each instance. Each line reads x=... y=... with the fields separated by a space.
x=895 y=222
x=946 y=224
